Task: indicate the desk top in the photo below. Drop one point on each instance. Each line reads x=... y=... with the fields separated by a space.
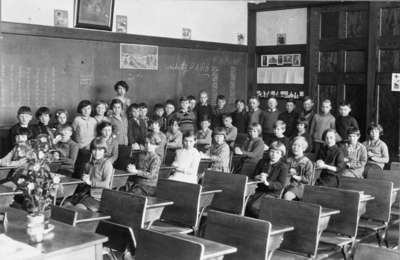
x=209 y=190
x=253 y=182
x=366 y=197
x=6 y=191
x=64 y=238
x=279 y=229
x=211 y=249
x=328 y=212
x=396 y=189
x=87 y=215
x=154 y=202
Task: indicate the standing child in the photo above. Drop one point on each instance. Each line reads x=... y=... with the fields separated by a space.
x=61 y=117
x=320 y=123
x=143 y=111
x=220 y=152
x=355 y=155
x=156 y=134
x=43 y=127
x=24 y=116
x=169 y=108
x=203 y=109
x=219 y=110
x=137 y=129
x=289 y=117
x=301 y=170
x=330 y=160
x=185 y=117
x=121 y=87
x=67 y=150
x=270 y=117
x=174 y=135
x=104 y=130
x=97 y=175
x=240 y=118
x=100 y=109
x=84 y=125
x=119 y=121
x=256 y=115
x=279 y=133
x=231 y=131
x=308 y=113
x=301 y=130
x=377 y=150
x=158 y=116
x=345 y=121
x=146 y=171
x=204 y=136
x=187 y=160
x=192 y=103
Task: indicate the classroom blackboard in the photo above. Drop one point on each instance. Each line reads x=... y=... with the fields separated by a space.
x=59 y=72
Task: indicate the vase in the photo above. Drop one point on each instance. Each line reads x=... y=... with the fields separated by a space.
x=35 y=227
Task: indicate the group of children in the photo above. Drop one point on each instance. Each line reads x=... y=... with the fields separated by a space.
x=265 y=144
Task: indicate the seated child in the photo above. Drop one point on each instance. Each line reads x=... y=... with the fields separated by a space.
x=204 y=136
x=156 y=133
x=355 y=154
x=170 y=114
x=159 y=116
x=174 y=135
x=43 y=127
x=279 y=130
x=251 y=151
x=301 y=130
x=67 y=150
x=187 y=160
x=17 y=156
x=146 y=171
x=220 y=152
x=119 y=121
x=231 y=131
x=344 y=121
x=137 y=128
x=24 y=116
x=301 y=170
x=240 y=118
x=289 y=117
x=61 y=117
x=273 y=173
x=377 y=150
x=97 y=175
x=104 y=130
x=100 y=109
x=330 y=160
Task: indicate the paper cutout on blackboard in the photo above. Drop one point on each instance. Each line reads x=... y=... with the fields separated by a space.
x=395 y=81
x=282 y=75
x=136 y=56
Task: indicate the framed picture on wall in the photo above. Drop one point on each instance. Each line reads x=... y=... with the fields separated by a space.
x=94 y=14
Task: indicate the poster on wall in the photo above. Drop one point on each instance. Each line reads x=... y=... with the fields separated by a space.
x=284 y=60
x=396 y=82
x=139 y=57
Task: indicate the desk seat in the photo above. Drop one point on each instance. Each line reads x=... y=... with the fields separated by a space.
x=395 y=211
x=169 y=228
x=372 y=225
x=286 y=255
x=335 y=239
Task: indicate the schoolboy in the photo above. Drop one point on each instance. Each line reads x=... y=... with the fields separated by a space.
x=158 y=116
x=203 y=109
x=240 y=117
x=230 y=130
x=279 y=134
x=143 y=110
x=185 y=117
x=355 y=155
x=345 y=121
x=256 y=115
x=308 y=112
x=169 y=108
x=204 y=136
x=137 y=129
x=220 y=152
x=320 y=123
x=17 y=156
x=42 y=127
x=192 y=103
x=67 y=150
x=270 y=117
x=156 y=133
x=219 y=110
x=289 y=117
x=24 y=116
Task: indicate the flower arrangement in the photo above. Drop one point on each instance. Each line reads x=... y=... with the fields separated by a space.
x=38 y=184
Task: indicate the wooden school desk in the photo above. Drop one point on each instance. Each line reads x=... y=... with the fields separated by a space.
x=7 y=196
x=69 y=186
x=251 y=187
x=88 y=220
x=206 y=196
x=154 y=209
x=276 y=237
x=64 y=242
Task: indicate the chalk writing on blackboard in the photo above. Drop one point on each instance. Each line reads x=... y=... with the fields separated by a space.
x=214 y=82
x=136 y=56
x=232 y=85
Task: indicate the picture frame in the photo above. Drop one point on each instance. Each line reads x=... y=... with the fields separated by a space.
x=94 y=14
x=296 y=60
x=264 y=60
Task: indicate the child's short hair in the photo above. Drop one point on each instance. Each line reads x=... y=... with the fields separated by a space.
x=345 y=104
x=278 y=146
x=116 y=101
x=255 y=98
x=154 y=122
x=327 y=101
x=221 y=97
x=257 y=127
x=158 y=106
x=302 y=140
x=280 y=123
x=191 y=97
x=203 y=92
x=302 y=120
x=226 y=115
x=23 y=131
x=67 y=127
x=100 y=102
x=170 y=102
x=373 y=126
x=183 y=99
x=239 y=101
x=272 y=98
x=307 y=98
x=61 y=111
x=290 y=100
x=189 y=133
x=103 y=125
x=133 y=106
x=122 y=84
x=42 y=111
x=143 y=105
x=172 y=122
x=219 y=131
x=82 y=104
x=329 y=130
x=24 y=110
x=98 y=143
x=205 y=118
x=353 y=130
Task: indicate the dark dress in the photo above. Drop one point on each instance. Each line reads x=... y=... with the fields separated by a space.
x=240 y=120
x=290 y=120
x=333 y=156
